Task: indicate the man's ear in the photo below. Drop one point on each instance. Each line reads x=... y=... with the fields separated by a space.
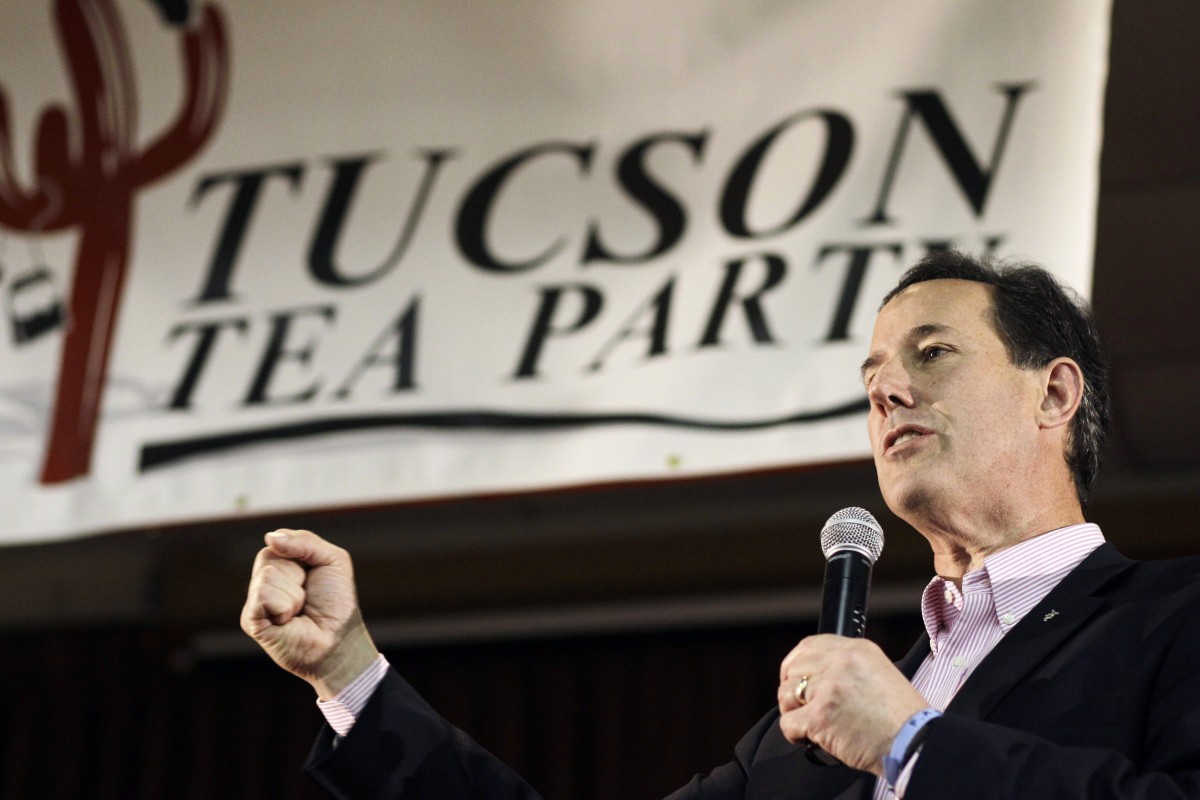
x=1062 y=392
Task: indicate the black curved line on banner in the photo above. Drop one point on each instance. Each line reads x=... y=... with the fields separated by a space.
x=163 y=453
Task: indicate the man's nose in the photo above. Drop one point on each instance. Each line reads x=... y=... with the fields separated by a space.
x=891 y=387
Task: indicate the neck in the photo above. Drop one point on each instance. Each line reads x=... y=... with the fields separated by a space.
x=961 y=545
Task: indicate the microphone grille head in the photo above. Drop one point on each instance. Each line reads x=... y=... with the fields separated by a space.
x=854 y=529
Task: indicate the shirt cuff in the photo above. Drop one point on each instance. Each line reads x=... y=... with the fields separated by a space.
x=905 y=745
x=343 y=709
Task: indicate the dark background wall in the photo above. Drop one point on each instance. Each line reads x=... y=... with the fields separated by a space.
x=578 y=634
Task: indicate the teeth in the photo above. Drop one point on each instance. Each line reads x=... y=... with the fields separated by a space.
x=904 y=437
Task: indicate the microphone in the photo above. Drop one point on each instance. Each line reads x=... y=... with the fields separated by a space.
x=851 y=540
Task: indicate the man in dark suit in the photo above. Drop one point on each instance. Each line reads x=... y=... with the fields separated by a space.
x=1053 y=666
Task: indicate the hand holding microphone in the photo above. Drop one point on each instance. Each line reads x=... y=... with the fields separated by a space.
x=838 y=691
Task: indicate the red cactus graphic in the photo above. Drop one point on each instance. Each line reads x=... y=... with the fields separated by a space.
x=90 y=184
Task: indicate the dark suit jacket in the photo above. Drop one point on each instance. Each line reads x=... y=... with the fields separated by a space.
x=1094 y=694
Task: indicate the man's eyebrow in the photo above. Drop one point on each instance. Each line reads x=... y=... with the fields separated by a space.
x=929 y=329
x=919 y=332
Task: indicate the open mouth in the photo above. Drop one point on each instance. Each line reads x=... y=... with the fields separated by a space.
x=903 y=434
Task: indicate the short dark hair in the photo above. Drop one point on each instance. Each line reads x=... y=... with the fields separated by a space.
x=1038 y=319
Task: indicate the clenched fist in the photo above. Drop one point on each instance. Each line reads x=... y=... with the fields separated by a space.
x=302 y=609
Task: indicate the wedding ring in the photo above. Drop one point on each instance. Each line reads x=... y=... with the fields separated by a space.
x=798 y=692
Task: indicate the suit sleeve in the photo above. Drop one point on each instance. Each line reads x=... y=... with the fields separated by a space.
x=728 y=782
x=401 y=748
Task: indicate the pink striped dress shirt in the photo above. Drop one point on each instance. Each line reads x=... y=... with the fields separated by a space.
x=964 y=625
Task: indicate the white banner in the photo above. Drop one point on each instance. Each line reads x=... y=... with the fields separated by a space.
x=309 y=255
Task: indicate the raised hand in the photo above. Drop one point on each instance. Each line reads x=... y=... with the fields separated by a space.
x=302 y=610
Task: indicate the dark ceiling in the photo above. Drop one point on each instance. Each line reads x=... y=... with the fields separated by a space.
x=739 y=547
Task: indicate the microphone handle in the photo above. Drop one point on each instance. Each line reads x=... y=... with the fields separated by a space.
x=843 y=612
x=844 y=597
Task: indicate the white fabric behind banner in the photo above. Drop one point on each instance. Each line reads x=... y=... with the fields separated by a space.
x=325 y=254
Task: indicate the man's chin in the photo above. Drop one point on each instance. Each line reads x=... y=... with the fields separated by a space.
x=919 y=502
x=909 y=501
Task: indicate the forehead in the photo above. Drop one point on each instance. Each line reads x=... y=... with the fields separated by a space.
x=962 y=305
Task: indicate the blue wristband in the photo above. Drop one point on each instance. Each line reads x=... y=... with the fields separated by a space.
x=904 y=743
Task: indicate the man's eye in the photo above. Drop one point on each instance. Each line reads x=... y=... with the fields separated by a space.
x=933 y=351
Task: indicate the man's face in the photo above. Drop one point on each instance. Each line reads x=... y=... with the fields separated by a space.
x=952 y=422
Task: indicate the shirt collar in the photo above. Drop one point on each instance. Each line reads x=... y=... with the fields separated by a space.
x=1017 y=577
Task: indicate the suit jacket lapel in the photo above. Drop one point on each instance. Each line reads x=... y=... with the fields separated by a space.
x=1068 y=606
